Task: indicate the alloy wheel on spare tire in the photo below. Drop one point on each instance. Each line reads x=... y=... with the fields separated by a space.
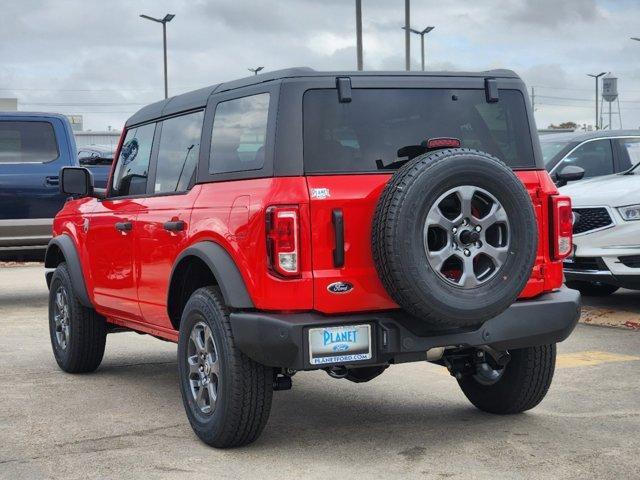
x=454 y=237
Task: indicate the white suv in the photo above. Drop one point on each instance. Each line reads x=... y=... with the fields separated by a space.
x=606 y=233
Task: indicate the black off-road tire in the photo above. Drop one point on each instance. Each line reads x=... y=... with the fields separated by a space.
x=591 y=289
x=398 y=247
x=87 y=331
x=245 y=387
x=523 y=384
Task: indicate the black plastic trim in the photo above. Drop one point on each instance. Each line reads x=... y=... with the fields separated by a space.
x=337 y=218
x=280 y=340
x=224 y=269
x=68 y=249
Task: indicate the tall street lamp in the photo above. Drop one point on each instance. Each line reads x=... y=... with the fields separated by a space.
x=407 y=35
x=167 y=18
x=255 y=70
x=596 y=77
x=422 y=34
x=359 y=33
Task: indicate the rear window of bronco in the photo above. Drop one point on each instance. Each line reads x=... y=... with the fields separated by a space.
x=380 y=126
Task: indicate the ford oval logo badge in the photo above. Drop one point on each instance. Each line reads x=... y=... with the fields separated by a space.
x=340 y=287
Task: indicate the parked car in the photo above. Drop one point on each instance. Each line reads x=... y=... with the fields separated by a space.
x=96 y=158
x=606 y=234
x=33 y=149
x=599 y=153
x=389 y=218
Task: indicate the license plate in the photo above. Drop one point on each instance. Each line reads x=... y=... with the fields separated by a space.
x=344 y=344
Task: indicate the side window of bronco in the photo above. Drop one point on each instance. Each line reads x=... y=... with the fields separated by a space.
x=239 y=134
x=178 y=152
x=132 y=169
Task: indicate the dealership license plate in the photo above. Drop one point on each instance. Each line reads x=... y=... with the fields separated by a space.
x=344 y=344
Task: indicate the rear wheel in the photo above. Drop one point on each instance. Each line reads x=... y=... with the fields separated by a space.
x=226 y=395
x=519 y=386
x=592 y=289
x=78 y=334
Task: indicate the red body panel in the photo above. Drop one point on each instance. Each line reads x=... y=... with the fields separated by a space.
x=233 y=215
x=157 y=250
x=127 y=275
x=357 y=197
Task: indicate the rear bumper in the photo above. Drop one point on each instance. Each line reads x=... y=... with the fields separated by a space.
x=281 y=340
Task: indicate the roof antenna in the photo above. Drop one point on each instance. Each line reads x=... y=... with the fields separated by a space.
x=255 y=70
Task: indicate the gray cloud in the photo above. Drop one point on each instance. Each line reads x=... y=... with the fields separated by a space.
x=92 y=52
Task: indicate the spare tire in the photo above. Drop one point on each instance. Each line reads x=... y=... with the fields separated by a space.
x=454 y=237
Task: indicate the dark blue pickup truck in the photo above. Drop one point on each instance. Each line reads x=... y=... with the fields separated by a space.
x=33 y=149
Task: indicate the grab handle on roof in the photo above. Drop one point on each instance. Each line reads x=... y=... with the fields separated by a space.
x=343 y=84
x=491 y=90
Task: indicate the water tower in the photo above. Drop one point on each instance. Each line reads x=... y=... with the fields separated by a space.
x=610 y=95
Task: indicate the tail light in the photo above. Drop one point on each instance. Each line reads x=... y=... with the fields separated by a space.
x=562 y=241
x=283 y=240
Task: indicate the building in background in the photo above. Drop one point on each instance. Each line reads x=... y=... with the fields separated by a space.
x=8 y=104
x=104 y=138
x=76 y=122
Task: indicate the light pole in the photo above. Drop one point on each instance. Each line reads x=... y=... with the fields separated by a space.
x=596 y=77
x=255 y=70
x=407 y=35
x=422 y=34
x=359 y=33
x=167 y=18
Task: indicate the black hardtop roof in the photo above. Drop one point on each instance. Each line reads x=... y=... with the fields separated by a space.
x=198 y=98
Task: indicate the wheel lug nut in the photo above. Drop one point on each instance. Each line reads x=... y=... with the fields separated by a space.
x=478 y=228
x=454 y=230
x=466 y=252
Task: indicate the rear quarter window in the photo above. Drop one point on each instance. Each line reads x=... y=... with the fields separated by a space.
x=27 y=142
x=378 y=123
x=239 y=134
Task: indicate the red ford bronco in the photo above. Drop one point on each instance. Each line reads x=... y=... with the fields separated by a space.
x=302 y=220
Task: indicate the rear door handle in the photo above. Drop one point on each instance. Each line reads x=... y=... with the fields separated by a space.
x=338 y=228
x=174 y=226
x=124 y=226
x=52 y=181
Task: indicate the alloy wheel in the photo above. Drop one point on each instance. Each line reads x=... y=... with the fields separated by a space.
x=204 y=368
x=466 y=236
x=61 y=315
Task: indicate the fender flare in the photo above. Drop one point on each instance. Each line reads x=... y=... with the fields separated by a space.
x=65 y=244
x=224 y=269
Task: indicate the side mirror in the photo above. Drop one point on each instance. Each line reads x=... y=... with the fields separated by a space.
x=76 y=181
x=570 y=173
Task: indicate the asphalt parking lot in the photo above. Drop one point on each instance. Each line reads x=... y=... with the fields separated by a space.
x=127 y=420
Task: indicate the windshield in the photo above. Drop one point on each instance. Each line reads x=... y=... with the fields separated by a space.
x=381 y=126
x=550 y=150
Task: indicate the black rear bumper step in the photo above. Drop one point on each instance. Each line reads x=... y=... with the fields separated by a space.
x=280 y=340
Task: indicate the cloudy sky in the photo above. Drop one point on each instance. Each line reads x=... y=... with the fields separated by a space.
x=99 y=59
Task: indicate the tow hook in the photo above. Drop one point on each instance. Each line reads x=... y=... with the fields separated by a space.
x=339 y=371
x=282 y=381
x=466 y=363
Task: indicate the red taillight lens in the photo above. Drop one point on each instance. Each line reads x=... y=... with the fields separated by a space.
x=282 y=240
x=562 y=227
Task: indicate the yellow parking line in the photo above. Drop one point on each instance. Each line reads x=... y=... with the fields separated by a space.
x=583 y=359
